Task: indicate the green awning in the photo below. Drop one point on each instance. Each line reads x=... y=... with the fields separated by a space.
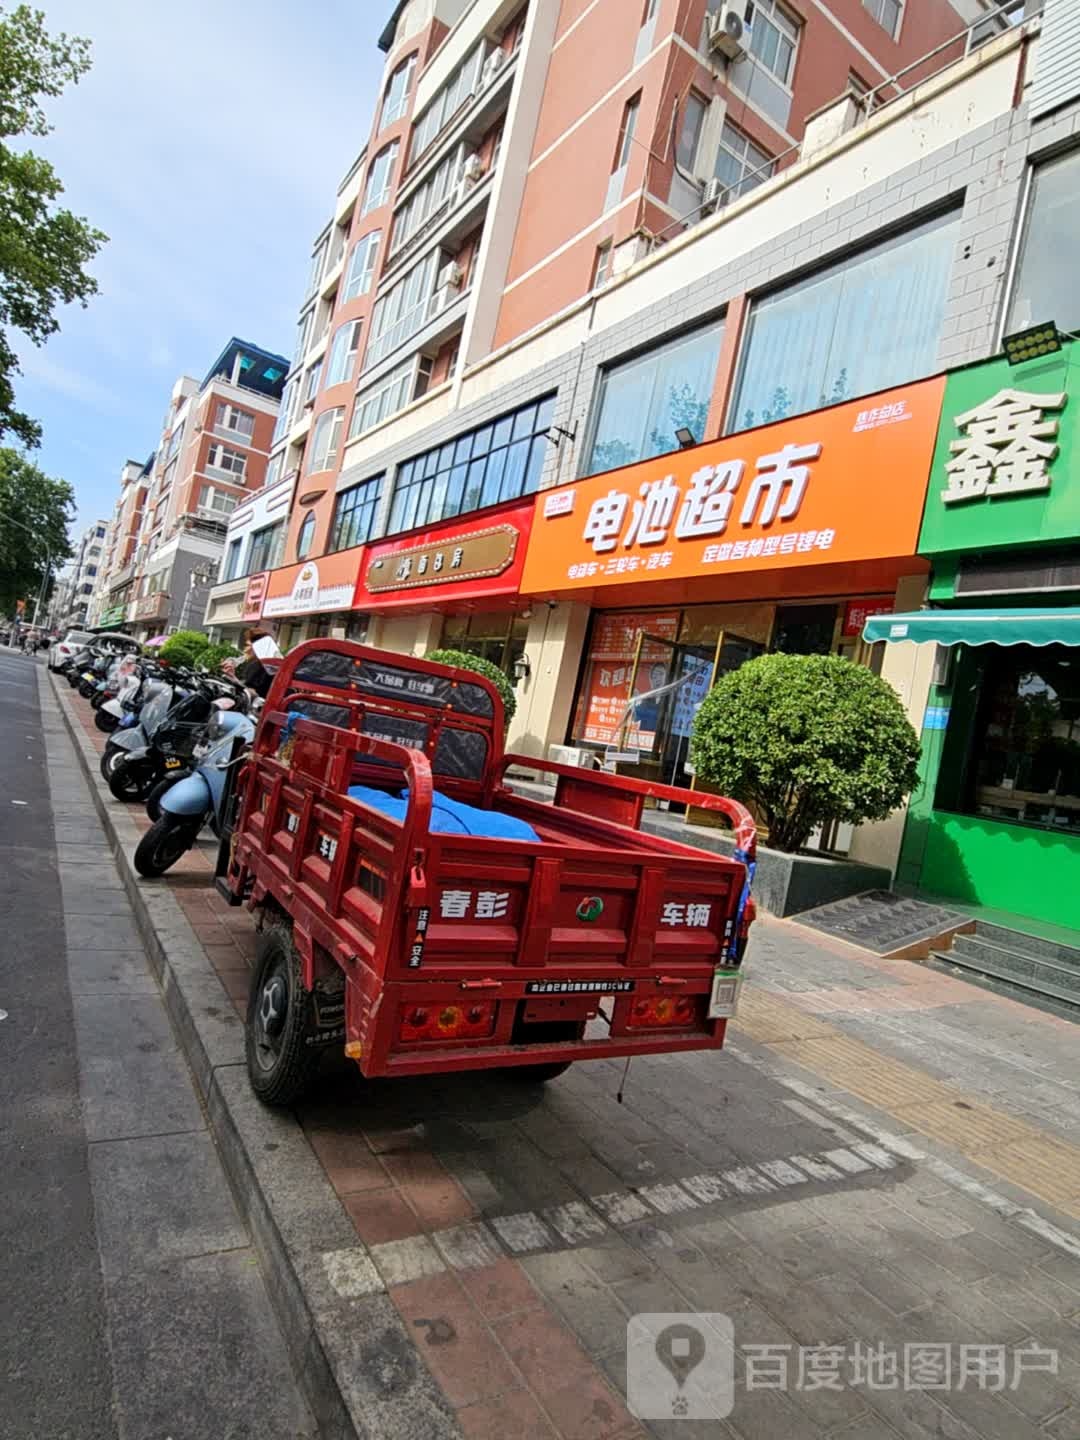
x=1050 y=626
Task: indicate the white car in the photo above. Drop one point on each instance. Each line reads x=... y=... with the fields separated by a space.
x=63 y=650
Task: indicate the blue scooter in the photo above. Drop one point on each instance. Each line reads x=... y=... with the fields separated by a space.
x=198 y=798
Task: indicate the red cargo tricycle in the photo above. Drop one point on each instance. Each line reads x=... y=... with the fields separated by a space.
x=418 y=912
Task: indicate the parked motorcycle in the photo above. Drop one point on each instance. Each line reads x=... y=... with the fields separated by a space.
x=170 y=726
x=199 y=798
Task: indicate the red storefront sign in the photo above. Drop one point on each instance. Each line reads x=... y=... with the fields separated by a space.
x=476 y=558
x=857 y=612
x=254 y=596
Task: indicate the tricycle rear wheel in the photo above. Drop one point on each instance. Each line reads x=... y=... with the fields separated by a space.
x=280 y=1018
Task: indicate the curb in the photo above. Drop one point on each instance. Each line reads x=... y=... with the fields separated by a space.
x=355 y=1361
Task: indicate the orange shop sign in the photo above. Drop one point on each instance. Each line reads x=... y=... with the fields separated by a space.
x=842 y=484
x=313 y=586
x=254 y=596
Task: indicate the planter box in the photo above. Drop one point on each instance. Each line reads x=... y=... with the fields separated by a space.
x=784 y=884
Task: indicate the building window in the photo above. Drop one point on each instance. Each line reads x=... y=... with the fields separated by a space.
x=431 y=198
x=311 y=381
x=91 y=569
x=303 y=335
x=305 y=535
x=460 y=87
x=495 y=462
x=174 y=442
x=318 y=260
x=602 y=264
x=265 y=550
x=325 y=441
x=693 y=118
x=362 y=266
x=1045 y=286
x=380 y=178
x=404 y=384
x=740 y=164
x=627 y=126
x=640 y=403
x=498 y=636
x=886 y=13
x=232 y=559
x=219 y=502
x=774 y=36
x=236 y=422
x=229 y=461
x=274 y=468
x=285 y=409
x=100 y=533
x=404 y=310
x=354 y=514
x=397 y=92
x=343 y=350
x=865 y=323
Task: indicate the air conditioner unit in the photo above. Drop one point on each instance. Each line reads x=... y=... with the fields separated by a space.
x=713 y=195
x=492 y=65
x=450 y=277
x=725 y=32
x=472 y=170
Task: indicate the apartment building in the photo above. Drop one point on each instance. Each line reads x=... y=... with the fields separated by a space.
x=167 y=535
x=470 y=368
x=71 y=608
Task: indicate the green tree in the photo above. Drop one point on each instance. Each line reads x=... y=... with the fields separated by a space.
x=482 y=667
x=43 y=247
x=186 y=648
x=804 y=740
x=35 y=511
x=210 y=659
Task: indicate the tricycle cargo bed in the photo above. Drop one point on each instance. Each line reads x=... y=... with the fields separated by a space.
x=559 y=932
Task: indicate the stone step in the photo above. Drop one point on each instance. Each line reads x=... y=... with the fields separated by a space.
x=1056 y=979
x=1024 y=944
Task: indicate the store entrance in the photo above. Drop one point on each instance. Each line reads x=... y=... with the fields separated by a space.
x=659 y=724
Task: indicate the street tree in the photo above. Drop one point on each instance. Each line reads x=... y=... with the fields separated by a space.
x=35 y=511
x=44 y=248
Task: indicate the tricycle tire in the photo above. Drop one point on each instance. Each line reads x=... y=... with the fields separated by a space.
x=163 y=844
x=537 y=1074
x=280 y=1017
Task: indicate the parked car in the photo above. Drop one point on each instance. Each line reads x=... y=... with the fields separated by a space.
x=71 y=644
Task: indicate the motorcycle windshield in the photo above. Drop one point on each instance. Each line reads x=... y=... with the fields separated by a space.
x=154 y=711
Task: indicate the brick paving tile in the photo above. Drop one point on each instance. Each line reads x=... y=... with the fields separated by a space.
x=500 y=1289
x=434 y=1195
x=516 y=1416
x=348 y=1162
x=456 y=1344
x=381 y=1215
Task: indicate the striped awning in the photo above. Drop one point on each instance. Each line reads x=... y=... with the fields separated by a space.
x=1037 y=626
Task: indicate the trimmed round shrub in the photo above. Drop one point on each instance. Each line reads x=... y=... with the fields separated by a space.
x=804 y=740
x=211 y=658
x=185 y=648
x=482 y=667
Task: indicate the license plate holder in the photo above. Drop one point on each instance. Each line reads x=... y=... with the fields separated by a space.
x=724 y=996
x=172 y=764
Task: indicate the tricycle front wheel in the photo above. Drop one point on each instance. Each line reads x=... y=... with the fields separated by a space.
x=280 y=1020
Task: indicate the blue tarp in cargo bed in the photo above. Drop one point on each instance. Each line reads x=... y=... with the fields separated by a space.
x=448 y=817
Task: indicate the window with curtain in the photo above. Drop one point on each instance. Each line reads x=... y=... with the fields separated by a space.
x=499 y=461
x=354 y=514
x=868 y=322
x=640 y=403
x=1045 y=287
x=343 y=350
x=325 y=440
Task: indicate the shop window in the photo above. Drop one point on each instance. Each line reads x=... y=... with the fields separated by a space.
x=1022 y=751
x=495 y=462
x=805 y=629
x=866 y=323
x=640 y=403
x=1045 y=287
x=498 y=637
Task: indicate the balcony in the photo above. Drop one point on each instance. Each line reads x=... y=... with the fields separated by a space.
x=151 y=607
x=448 y=223
x=470 y=123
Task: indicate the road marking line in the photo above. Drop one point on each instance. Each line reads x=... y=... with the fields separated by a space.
x=707 y=1189
x=782 y=1172
x=467 y=1247
x=667 y=1199
x=876 y=1154
x=746 y=1180
x=848 y=1161
x=620 y=1207
x=816 y=1169
x=576 y=1221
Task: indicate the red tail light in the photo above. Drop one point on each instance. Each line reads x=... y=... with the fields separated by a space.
x=664 y=1012
x=472 y=1020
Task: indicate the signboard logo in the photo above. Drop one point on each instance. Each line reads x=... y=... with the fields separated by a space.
x=1006 y=446
x=475 y=556
x=561 y=502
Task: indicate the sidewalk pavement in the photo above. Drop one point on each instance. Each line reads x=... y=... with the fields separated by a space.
x=883 y=1156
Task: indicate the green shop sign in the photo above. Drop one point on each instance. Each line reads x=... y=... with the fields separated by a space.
x=115 y=615
x=1006 y=468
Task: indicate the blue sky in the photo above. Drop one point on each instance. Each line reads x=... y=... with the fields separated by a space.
x=207 y=142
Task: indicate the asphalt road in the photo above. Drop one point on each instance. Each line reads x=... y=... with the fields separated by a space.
x=55 y=1374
